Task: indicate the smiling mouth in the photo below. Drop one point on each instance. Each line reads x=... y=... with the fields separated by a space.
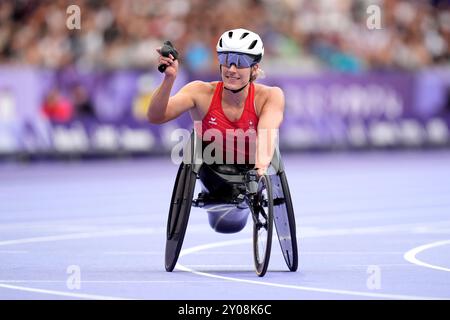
x=234 y=78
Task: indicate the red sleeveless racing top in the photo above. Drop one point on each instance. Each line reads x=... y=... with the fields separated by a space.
x=237 y=139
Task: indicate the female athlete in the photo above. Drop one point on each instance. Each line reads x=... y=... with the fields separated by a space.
x=235 y=103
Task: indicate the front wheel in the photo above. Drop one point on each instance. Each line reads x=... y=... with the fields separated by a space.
x=262 y=213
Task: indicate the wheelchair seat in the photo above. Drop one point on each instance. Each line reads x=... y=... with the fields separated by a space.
x=231 y=169
x=222 y=182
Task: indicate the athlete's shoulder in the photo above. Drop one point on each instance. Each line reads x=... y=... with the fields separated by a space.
x=267 y=89
x=266 y=92
x=199 y=86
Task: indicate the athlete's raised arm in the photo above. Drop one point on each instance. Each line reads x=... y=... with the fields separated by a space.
x=164 y=108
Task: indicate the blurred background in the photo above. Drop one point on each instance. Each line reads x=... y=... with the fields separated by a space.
x=82 y=92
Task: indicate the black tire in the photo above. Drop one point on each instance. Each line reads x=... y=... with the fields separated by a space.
x=284 y=220
x=179 y=211
x=262 y=211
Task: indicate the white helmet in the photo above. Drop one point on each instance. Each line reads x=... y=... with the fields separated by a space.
x=241 y=41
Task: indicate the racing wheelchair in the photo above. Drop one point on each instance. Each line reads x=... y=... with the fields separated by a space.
x=267 y=197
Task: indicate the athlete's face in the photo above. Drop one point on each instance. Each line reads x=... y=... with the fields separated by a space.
x=235 y=78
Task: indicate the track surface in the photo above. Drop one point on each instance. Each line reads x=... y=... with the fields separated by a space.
x=370 y=226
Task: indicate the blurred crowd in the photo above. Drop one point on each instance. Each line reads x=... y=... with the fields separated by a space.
x=306 y=35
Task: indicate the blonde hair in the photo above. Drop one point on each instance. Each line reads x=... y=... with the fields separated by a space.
x=258 y=74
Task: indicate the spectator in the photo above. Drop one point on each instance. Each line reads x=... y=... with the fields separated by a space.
x=57 y=108
x=318 y=34
x=82 y=103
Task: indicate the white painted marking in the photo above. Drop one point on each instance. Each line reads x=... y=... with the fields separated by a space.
x=194 y=250
x=161 y=253
x=279 y=285
x=351 y=252
x=410 y=256
x=62 y=237
x=110 y=281
x=75 y=221
x=134 y=253
x=379 y=265
x=247 y=266
x=61 y=293
x=84 y=235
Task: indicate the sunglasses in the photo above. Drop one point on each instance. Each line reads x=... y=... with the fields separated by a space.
x=240 y=60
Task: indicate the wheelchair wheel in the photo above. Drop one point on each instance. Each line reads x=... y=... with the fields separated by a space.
x=285 y=220
x=262 y=213
x=180 y=208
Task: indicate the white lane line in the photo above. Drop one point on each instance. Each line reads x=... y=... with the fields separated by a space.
x=76 y=236
x=139 y=231
x=13 y=251
x=160 y=253
x=246 y=266
x=110 y=281
x=379 y=265
x=410 y=256
x=351 y=252
x=61 y=293
x=86 y=235
x=134 y=253
x=64 y=222
x=83 y=235
x=279 y=285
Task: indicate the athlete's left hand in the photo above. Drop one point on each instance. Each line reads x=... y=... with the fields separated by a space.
x=261 y=171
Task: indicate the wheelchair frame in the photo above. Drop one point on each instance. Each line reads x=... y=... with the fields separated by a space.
x=278 y=203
